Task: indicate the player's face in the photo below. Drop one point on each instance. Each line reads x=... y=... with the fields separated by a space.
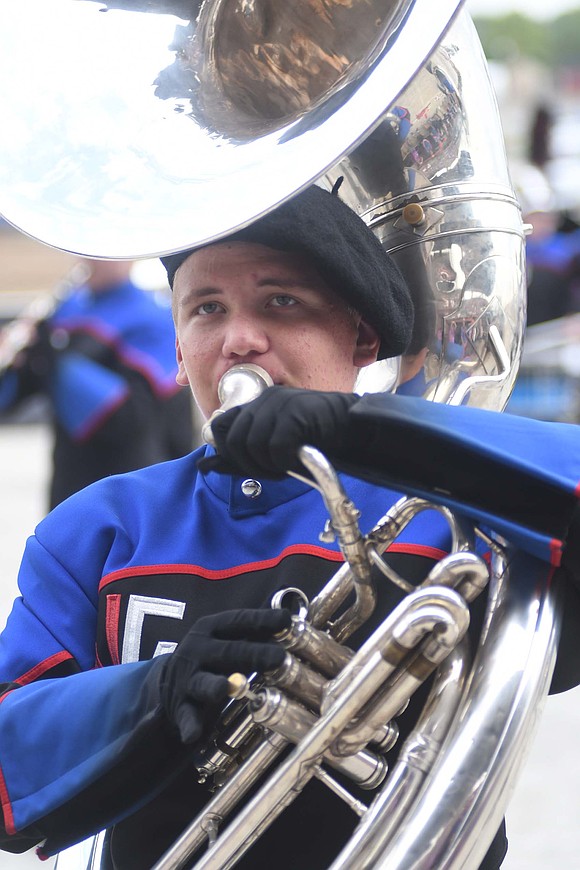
x=237 y=302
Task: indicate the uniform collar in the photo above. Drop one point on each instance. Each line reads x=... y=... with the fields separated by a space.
x=247 y=496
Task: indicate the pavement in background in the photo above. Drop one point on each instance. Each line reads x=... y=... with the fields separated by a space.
x=543 y=815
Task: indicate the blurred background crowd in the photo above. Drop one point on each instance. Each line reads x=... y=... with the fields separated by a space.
x=534 y=60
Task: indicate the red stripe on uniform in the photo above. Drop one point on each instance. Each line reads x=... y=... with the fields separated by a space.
x=296 y=549
x=434 y=553
x=42 y=667
x=209 y=574
x=555 y=552
x=112 y=626
x=4 y=797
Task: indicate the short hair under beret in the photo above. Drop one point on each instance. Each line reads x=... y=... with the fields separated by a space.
x=345 y=252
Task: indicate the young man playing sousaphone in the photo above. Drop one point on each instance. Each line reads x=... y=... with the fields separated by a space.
x=143 y=592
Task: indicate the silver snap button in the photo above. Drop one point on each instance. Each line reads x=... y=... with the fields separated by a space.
x=59 y=339
x=251 y=488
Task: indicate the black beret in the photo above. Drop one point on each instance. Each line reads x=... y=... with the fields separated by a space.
x=345 y=252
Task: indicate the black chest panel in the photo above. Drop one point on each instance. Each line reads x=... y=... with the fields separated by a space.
x=132 y=619
x=147 y=613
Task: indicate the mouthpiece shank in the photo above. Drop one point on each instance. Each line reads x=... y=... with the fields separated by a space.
x=238 y=386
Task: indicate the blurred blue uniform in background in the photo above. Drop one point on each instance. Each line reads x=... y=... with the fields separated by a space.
x=105 y=359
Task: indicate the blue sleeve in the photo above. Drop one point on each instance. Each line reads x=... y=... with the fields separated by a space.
x=63 y=776
x=51 y=629
x=85 y=393
x=8 y=390
x=519 y=476
x=47 y=756
x=17 y=384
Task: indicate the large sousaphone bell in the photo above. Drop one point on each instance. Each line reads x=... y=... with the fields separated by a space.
x=133 y=128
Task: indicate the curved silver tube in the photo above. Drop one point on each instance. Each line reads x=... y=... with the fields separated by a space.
x=461 y=806
x=343 y=524
x=414 y=619
x=323 y=606
x=443 y=628
x=221 y=804
x=415 y=761
x=466 y=572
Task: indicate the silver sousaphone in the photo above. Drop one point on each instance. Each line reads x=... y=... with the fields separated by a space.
x=134 y=128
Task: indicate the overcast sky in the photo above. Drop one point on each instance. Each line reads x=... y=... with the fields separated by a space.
x=540 y=9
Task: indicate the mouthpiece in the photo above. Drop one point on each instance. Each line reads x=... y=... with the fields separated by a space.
x=238 y=386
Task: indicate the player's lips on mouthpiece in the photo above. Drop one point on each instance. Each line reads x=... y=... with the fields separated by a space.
x=278 y=381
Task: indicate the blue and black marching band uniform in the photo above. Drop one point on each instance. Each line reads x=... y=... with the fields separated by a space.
x=106 y=361
x=167 y=544
x=162 y=547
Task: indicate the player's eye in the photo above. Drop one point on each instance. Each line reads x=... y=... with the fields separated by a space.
x=208 y=308
x=283 y=301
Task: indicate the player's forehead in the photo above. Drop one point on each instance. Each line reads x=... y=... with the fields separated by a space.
x=230 y=263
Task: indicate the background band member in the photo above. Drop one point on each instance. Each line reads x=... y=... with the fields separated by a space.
x=105 y=360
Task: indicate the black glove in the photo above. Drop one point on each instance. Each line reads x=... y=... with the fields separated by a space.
x=263 y=437
x=38 y=356
x=192 y=681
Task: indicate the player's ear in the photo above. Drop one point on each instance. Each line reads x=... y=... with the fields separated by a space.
x=367 y=345
x=181 y=376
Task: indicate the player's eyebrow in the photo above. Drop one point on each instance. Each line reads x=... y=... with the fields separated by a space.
x=287 y=283
x=194 y=294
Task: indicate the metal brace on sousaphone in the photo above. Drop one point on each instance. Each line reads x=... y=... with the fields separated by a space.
x=187 y=120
